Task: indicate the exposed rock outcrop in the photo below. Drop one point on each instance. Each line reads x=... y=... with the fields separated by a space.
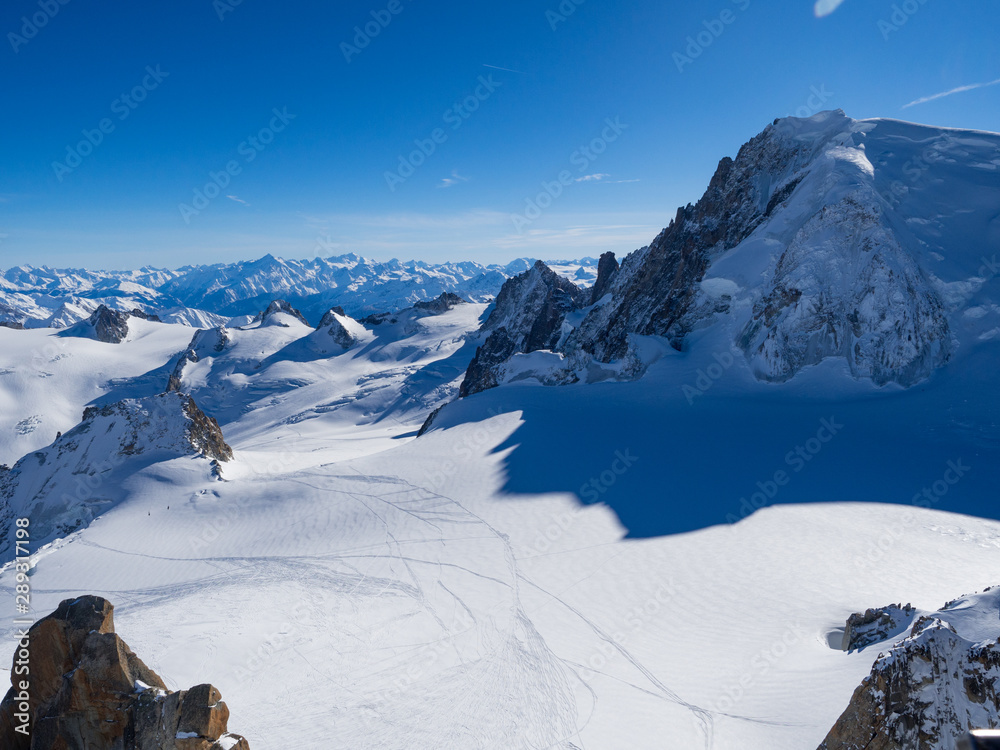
x=110 y=326
x=876 y=625
x=63 y=487
x=142 y=315
x=338 y=327
x=267 y=317
x=931 y=688
x=441 y=304
x=203 y=343
x=607 y=269
x=792 y=249
x=87 y=690
x=528 y=316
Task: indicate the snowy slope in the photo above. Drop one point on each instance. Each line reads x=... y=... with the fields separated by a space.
x=46 y=380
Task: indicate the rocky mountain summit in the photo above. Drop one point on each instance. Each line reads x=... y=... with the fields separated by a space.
x=806 y=246
x=109 y=326
x=928 y=690
x=270 y=315
x=528 y=316
x=64 y=486
x=85 y=688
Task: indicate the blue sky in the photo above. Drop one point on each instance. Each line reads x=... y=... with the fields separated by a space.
x=428 y=137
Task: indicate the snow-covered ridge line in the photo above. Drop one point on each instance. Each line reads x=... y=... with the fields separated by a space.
x=211 y=295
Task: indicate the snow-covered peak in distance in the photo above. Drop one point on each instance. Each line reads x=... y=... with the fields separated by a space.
x=210 y=295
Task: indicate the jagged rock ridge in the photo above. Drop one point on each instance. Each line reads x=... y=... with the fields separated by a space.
x=528 y=316
x=87 y=689
x=931 y=688
x=63 y=487
x=109 y=326
x=818 y=266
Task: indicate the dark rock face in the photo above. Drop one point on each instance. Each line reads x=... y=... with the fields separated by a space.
x=876 y=625
x=87 y=689
x=205 y=434
x=279 y=305
x=442 y=304
x=656 y=286
x=527 y=316
x=607 y=269
x=930 y=689
x=328 y=317
x=17 y=326
x=110 y=326
x=137 y=313
x=338 y=332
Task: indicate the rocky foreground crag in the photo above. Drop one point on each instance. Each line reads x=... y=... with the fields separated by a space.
x=88 y=691
x=931 y=688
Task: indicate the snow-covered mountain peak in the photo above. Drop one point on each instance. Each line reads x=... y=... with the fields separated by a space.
x=869 y=242
x=66 y=485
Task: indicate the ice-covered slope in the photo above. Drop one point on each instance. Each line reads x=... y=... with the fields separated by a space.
x=399 y=601
x=46 y=379
x=65 y=486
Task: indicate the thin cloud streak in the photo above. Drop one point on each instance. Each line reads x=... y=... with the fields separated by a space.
x=509 y=70
x=943 y=94
x=826 y=7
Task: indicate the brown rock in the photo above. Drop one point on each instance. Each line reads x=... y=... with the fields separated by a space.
x=89 y=690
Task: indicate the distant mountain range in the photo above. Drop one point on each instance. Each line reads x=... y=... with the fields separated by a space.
x=211 y=295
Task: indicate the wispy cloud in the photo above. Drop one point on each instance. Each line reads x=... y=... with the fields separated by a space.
x=509 y=70
x=601 y=177
x=238 y=200
x=455 y=179
x=826 y=7
x=943 y=94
